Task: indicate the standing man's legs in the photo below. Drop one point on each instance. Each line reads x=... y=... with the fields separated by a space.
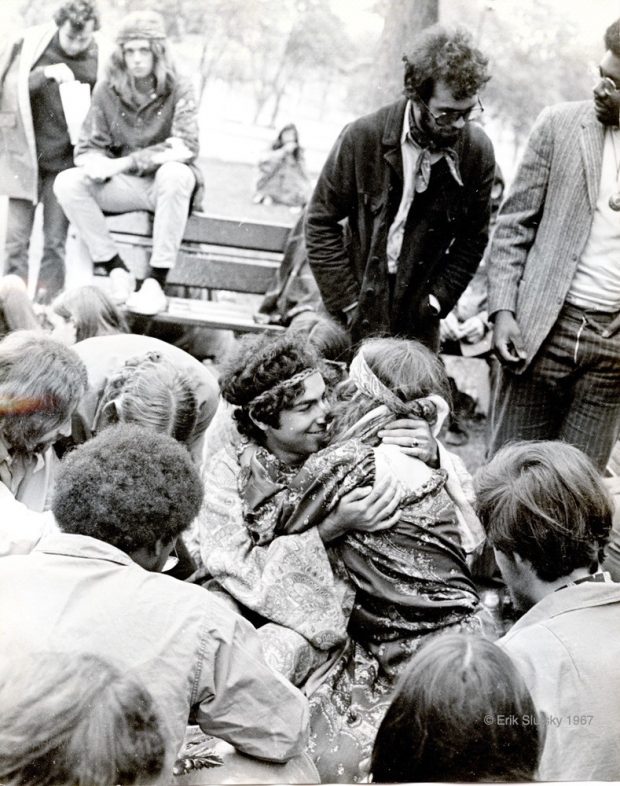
x=571 y=390
x=592 y=421
x=526 y=406
x=532 y=405
x=55 y=225
x=19 y=222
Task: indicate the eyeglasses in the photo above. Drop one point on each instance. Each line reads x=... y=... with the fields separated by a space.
x=452 y=116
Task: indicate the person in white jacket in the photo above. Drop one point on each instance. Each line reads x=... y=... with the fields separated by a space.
x=37 y=145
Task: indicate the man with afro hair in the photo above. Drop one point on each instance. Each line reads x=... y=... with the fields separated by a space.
x=399 y=218
x=121 y=501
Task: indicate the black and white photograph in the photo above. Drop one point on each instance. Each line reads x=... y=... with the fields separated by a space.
x=309 y=392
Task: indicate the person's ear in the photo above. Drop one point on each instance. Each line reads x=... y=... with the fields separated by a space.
x=259 y=424
x=161 y=552
x=522 y=564
x=107 y=415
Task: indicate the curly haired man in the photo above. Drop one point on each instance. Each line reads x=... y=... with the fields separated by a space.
x=412 y=182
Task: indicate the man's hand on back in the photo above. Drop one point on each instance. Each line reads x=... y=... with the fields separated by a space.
x=414 y=437
x=365 y=509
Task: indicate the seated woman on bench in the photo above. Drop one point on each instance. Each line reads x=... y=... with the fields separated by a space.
x=135 y=152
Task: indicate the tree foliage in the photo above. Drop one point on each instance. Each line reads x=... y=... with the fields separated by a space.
x=402 y=20
x=537 y=57
x=275 y=48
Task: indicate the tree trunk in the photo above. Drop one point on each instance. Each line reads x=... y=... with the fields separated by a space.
x=403 y=19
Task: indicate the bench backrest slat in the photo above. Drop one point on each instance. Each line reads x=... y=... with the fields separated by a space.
x=237 y=275
x=203 y=228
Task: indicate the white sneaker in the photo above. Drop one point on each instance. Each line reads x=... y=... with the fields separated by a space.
x=122 y=284
x=148 y=300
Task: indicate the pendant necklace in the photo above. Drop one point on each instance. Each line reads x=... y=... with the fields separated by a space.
x=614 y=199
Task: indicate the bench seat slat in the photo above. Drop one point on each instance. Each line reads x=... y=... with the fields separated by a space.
x=207 y=313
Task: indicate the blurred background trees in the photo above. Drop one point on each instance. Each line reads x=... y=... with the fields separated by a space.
x=325 y=61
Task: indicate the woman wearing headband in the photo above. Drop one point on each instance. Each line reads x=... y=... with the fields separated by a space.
x=299 y=497
x=411 y=579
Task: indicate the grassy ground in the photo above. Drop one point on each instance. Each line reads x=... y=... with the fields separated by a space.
x=229 y=188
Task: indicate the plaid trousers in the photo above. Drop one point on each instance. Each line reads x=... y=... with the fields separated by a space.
x=570 y=391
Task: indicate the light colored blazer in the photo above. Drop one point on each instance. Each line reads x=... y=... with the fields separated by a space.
x=19 y=169
x=19 y=177
x=545 y=221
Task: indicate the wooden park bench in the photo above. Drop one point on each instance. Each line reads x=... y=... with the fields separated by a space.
x=218 y=255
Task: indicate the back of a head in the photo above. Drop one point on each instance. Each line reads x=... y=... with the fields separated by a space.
x=445 y=720
x=41 y=383
x=16 y=311
x=129 y=487
x=150 y=391
x=406 y=367
x=92 y=311
x=330 y=339
x=544 y=501
x=74 y=719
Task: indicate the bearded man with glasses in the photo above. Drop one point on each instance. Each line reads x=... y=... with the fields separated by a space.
x=554 y=277
x=399 y=218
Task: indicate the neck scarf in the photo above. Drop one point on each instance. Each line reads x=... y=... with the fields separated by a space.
x=428 y=146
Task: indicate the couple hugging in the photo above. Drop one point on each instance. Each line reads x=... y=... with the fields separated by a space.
x=339 y=525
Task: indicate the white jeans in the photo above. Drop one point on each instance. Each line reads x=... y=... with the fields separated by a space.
x=167 y=194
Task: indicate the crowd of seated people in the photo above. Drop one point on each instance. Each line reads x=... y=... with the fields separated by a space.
x=327 y=536
x=263 y=572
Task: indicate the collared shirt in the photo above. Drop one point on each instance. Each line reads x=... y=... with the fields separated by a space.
x=596 y=283
x=567 y=648
x=76 y=593
x=27 y=477
x=410 y=152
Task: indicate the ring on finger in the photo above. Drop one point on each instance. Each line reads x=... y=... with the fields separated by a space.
x=414 y=443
